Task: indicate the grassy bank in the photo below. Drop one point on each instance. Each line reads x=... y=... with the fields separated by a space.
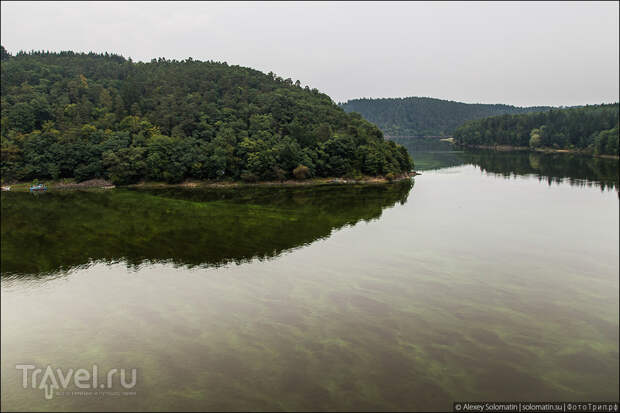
x=70 y=184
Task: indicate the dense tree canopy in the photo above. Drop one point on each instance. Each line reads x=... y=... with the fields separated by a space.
x=100 y=115
x=418 y=116
x=591 y=128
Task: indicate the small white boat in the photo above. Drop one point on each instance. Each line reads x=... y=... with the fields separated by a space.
x=39 y=187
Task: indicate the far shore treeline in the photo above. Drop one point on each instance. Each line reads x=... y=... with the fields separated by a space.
x=423 y=116
x=591 y=129
x=86 y=116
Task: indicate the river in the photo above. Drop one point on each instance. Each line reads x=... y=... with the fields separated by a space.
x=491 y=276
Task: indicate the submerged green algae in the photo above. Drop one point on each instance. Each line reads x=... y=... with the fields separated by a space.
x=477 y=288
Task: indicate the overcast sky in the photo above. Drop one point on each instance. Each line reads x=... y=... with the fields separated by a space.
x=558 y=53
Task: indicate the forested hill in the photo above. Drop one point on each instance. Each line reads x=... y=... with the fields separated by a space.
x=100 y=115
x=590 y=128
x=420 y=116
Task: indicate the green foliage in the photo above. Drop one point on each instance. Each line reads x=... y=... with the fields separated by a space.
x=418 y=116
x=301 y=172
x=4 y=55
x=126 y=165
x=590 y=128
x=606 y=142
x=535 y=138
x=84 y=116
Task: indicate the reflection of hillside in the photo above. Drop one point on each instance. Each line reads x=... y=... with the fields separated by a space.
x=60 y=230
x=431 y=153
x=554 y=168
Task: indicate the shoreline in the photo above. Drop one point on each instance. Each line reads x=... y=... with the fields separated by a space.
x=103 y=184
x=507 y=148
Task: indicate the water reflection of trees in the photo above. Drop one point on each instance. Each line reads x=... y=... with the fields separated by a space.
x=59 y=231
x=431 y=153
x=554 y=168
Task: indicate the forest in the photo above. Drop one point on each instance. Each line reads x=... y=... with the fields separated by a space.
x=422 y=116
x=592 y=129
x=89 y=115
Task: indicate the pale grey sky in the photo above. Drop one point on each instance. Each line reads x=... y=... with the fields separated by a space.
x=556 y=53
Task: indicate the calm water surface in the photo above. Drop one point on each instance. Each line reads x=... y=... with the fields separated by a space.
x=492 y=276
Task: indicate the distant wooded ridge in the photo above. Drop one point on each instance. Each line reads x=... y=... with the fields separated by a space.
x=424 y=116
